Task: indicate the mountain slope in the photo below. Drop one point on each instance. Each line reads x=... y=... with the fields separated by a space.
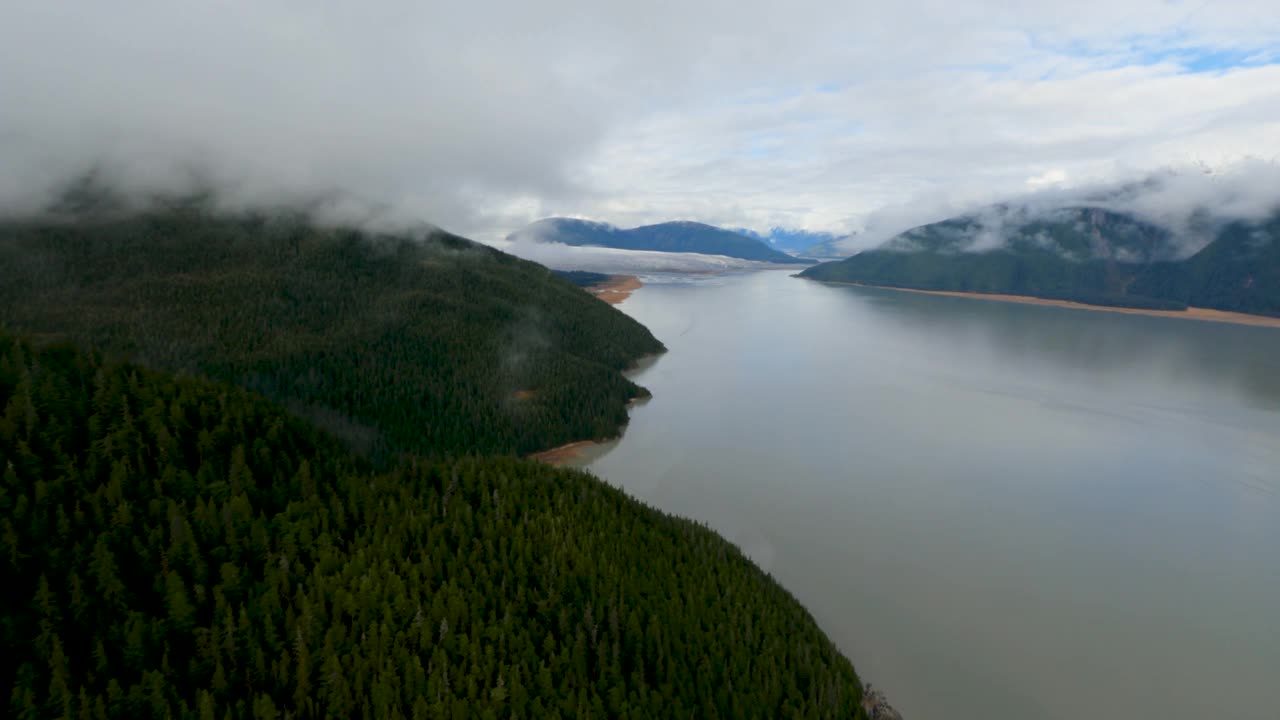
x=429 y=344
x=664 y=237
x=174 y=547
x=826 y=249
x=1239 y=270
x=1085 y=254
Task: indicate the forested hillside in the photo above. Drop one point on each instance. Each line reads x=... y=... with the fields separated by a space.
x=175 y=547
x=1239 y=271
x=1082 y=254
x=429 y=344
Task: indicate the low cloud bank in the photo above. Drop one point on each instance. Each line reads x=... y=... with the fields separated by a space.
x=614 y=260
x=1192 y=203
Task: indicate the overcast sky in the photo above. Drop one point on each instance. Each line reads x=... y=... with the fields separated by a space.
x=482 y=116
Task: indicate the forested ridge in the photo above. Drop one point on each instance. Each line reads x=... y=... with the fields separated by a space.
x=173 y=547
x=1085 y=255
x=427 y=343
x=1239 y=271
x=176 y=546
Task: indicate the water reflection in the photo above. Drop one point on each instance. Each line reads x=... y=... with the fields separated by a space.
x=1240 y=359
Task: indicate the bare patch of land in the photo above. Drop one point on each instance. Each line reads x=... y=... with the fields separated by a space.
x=616 y=289
x=563 y=454
x=1191 y=313
x=583 y=452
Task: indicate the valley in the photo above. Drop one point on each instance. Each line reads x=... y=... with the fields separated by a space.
x=578 y=360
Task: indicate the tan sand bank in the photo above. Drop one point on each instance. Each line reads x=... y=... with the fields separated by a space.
x=1191 y=313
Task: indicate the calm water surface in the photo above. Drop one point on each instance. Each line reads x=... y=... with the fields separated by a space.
x=995 y=510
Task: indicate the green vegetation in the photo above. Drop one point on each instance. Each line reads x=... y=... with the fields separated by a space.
x=429 y=344
x=174 y=547
x=663 y=237
x=1079 y=254
x=1239 y=271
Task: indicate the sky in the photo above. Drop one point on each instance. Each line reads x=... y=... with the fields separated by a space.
x=482 y=116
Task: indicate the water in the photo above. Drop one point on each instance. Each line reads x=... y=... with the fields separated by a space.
x=995 y=510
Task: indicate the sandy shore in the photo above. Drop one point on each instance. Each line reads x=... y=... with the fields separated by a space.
x=616 y=289
x=563 y=454
x=1191 y=313
x=582 y=452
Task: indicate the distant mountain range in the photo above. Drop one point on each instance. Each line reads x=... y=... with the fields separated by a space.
x=804 y=243
x=1086 y=254
x=688 y=237
x=827 y=249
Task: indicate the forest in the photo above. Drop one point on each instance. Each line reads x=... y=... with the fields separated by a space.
x=1083 y=255
x=175 y=547
x=1239 y=271
x=423 y=342
x=183 y=536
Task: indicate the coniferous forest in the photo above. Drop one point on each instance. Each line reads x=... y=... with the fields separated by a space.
x=245 y=539
x=427 y=344
x=1085 y=255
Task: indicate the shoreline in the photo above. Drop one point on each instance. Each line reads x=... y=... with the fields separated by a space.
x=616 y=289
x=559 y=456
x=1191 y=313
x=580 y=452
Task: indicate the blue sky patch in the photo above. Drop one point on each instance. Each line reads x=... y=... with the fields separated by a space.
x=1210 y=60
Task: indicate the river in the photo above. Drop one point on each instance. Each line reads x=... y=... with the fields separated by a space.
x=995 y=510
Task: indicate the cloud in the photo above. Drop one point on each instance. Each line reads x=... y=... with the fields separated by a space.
x=1053 y=177
x=1248 y=190
x=392 y=103
x=538 y=242
x=614 y=260
x=483 y=116
x=1191 y=202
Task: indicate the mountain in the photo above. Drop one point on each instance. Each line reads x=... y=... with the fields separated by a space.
x=690 y=237
x=1239 y=270
x=175 y=547
x=796 y=242
x=1083 y=254
x=253 y=467
x=425 y=343
x=826 y=249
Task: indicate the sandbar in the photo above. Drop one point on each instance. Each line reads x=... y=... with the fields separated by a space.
x=1191 y=313
x=616 y=289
